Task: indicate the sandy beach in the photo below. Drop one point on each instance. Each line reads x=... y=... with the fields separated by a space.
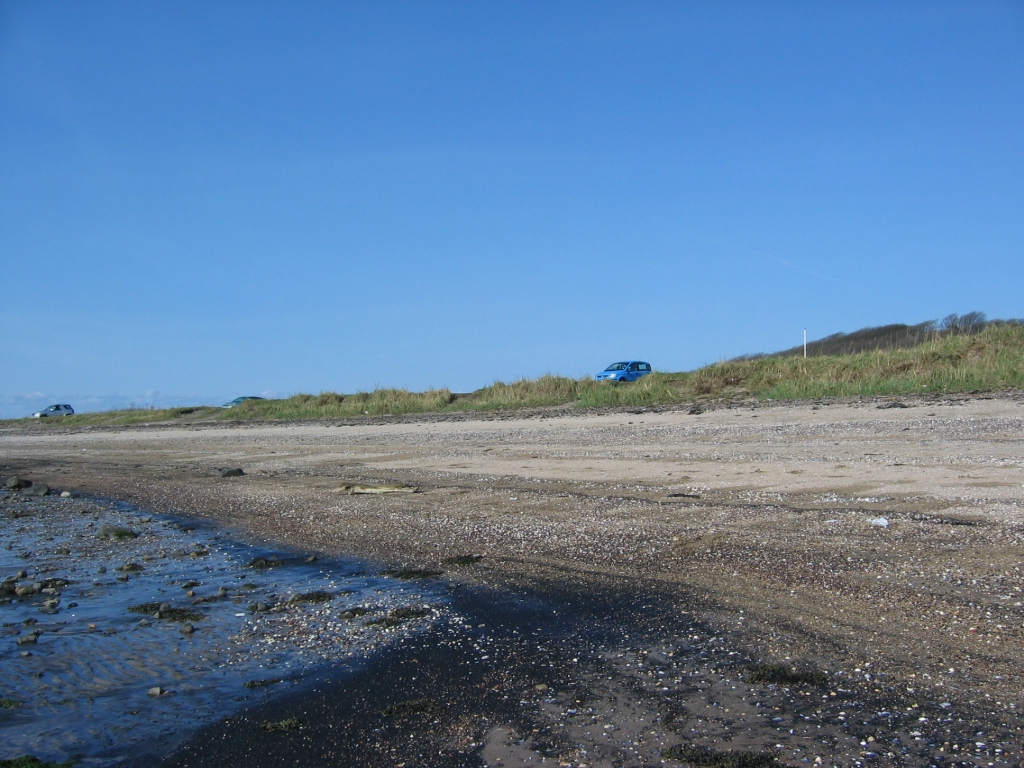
x=833 y=582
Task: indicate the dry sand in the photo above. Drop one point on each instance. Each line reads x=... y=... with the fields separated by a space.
x=880 y=541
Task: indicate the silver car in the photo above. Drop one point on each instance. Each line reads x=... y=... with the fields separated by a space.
x=54 y=410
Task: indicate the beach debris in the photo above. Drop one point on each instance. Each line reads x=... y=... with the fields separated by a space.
x=413 y=573
x=706 y=757
x=263 y=683
x=383 y=488
x=883 y=522
x=409 y=707
x=166 y=611
x=232 y=472
x=115 y=532
x=782 y=674
x=462 y=560
x=289 y=724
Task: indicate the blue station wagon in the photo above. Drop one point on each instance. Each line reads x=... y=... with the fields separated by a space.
x=630 y=370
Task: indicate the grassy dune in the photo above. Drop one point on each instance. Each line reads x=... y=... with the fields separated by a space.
x=991 y=360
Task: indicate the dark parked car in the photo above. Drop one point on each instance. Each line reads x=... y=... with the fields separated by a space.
x=630 y=370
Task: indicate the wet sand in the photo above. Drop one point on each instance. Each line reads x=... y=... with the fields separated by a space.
x=873 y=546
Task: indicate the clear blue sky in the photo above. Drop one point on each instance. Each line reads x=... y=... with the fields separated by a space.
x=200 y=200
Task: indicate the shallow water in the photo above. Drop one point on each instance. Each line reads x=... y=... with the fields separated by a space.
x=83 y=690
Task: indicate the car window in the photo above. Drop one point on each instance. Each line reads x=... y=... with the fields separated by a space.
x=645 y=366
x=616 y=367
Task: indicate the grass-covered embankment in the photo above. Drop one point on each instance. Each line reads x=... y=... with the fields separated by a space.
x=991 y=360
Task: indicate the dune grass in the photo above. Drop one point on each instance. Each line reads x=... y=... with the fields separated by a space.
x=331 y=405
x=125 y=417
x=991 y=360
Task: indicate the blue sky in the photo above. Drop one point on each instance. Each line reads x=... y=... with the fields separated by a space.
x=200 y=200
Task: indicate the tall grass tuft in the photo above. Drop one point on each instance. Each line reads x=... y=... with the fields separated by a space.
x=524 y=393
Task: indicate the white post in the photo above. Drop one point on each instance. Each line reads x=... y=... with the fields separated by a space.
x=805 y=342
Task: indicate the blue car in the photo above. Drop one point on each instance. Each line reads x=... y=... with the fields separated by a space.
x=630 y=370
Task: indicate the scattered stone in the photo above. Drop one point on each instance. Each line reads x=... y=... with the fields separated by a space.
x=65 y=494
x=38 y=489
x=234 y=472
x=16 y=483
x=311 y=597
x=115 y=532
x=30 y=639
x=187 y=629
x=264 y=562
x=354 y=613
x=156 y=690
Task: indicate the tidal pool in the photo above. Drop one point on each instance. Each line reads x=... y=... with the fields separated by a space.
x=122 y=632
